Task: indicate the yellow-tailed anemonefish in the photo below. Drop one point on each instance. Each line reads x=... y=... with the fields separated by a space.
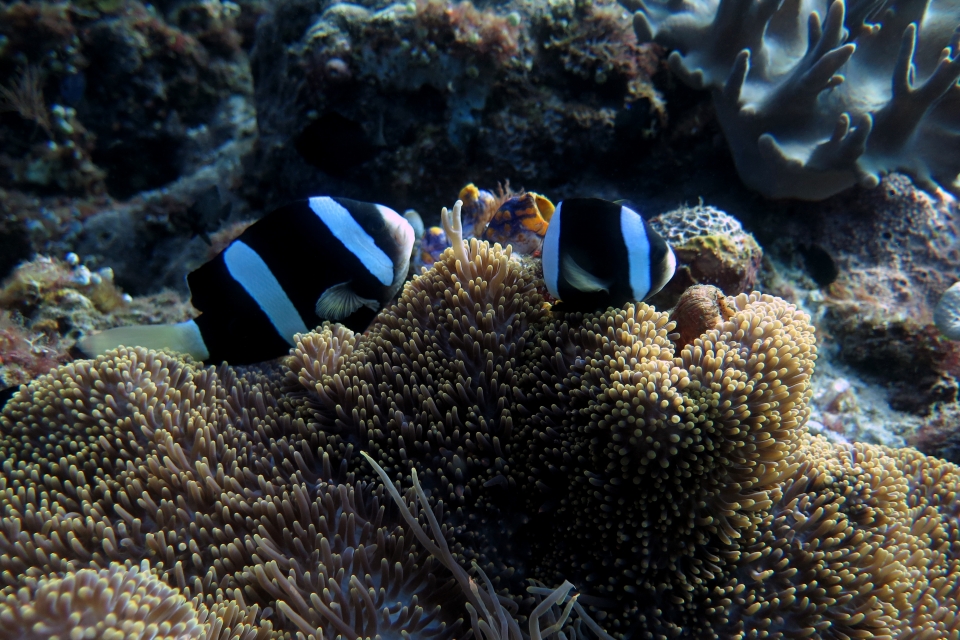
x=599 y=254
x=318 y=259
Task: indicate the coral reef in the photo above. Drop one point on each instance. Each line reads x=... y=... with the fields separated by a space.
x=148 y=241
x=14 y=242
x=128 y=84
x=396 y=102
x=675 y=488
x=815 y=97
x=109 y=100
x=53 y=153
x=711 y=247
x=877 y=263
x=47 y=304
x=846 y=409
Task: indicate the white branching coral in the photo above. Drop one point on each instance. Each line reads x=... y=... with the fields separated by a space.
x=816 y=96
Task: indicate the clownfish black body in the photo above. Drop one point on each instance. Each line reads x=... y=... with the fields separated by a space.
x=598 y=254
x=312 y=260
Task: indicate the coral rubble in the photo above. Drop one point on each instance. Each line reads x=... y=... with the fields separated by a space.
x=675 y=488
x=47 y=304
x=817 y=96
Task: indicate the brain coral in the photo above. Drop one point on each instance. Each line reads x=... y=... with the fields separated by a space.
x=711 y=247
x=577 y=476
x=816 y=96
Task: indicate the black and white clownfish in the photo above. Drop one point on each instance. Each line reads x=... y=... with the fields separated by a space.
x=599 y=254
x=312 y=260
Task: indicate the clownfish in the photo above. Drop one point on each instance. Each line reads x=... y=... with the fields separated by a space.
x=599 y=254
x=312 y=260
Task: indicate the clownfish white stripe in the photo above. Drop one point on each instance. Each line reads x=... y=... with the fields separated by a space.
x=348 y=231
x=638 y=251
x=551 y=254
x=403 y=233
x=253 y=274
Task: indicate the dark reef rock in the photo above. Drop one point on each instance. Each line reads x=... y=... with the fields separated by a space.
x=940 y=434
x=109 y=95
x=114 y=117
x=894 y=252
x=402 y=102
x=149 y=84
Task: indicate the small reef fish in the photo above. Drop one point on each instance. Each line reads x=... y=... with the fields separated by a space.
x=318 y=259
x=498 y=218
x=433 y=243
x=516 y=219
x=520 y=221
x=416 y=222
x=478 y=208
x=598 y=254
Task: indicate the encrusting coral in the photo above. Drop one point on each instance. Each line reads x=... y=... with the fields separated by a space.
x=817 y=96
x=577 y=476
x=711 y=247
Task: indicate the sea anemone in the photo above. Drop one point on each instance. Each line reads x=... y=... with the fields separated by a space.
x=116 y=602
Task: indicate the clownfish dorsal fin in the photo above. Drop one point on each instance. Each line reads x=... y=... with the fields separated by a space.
x=183 y=337
x=581 y=279
x=339 y=301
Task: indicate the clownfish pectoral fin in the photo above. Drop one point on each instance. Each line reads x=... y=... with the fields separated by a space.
x=183 y=337
x=581 y=279
x=339 y=301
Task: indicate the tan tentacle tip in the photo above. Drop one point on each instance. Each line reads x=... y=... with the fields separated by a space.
x=451 y=221
x=453 y=227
